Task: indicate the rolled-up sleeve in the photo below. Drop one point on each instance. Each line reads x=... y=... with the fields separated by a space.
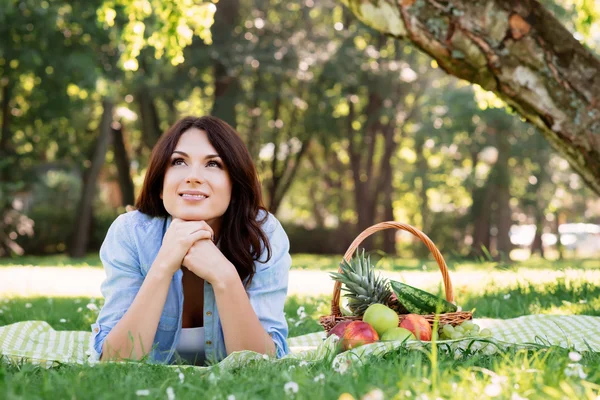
x=120 y=260
x=268 y=290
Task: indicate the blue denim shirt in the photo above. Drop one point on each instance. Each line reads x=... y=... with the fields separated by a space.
x=127 y=253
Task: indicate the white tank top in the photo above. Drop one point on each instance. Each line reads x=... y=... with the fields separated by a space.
x=191 y=345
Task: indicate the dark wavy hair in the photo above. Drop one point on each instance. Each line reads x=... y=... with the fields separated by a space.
x=241 y=233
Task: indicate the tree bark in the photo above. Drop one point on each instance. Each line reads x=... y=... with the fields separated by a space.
x=516 y=49
x=227 y=87
x=122 y=163
x=541 y=201
x=149 y=118
x=537 y=245
x=481 y=214
x=5 y=134
x=502 y=197
x=81 y=233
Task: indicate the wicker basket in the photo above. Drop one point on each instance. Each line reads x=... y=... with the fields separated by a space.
x=454 y=318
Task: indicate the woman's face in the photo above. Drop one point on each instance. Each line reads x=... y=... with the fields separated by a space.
x=197 y=186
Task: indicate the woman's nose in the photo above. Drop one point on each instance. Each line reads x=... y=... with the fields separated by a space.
x=195 y=175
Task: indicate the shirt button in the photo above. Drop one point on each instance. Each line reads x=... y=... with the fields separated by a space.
x=208 y=313
x=96 y=330
x=208 y=342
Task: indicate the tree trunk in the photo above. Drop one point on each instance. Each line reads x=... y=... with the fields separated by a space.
x=541 y=201
x=537 y=245
x=81 y=233
x=389 y=235
x=226 y=94
x=122 y=163
x=516 y=49
x=481 y=214
x=253 y=140
x=227 y=87
x=5 y=134
x=558 y=219
x=422 y=169
x=149 y=118
x=502 y=183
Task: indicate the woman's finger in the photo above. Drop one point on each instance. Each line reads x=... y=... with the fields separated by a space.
x=201 y=234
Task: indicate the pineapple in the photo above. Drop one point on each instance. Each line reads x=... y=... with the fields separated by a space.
x=364 y=289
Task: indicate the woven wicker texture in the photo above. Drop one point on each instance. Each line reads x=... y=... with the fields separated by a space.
x=455 y=318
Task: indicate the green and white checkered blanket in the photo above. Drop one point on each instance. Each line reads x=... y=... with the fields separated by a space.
x=36 y=342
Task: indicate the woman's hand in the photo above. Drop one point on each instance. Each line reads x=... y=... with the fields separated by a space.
x=206 y=261
x=178 y=240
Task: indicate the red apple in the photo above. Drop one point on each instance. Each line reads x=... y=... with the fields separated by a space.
x=338 y=329
x=358 y=333
x=417 y=325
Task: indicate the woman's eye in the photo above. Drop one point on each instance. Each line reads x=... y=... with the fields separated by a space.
x=214 y=163
x=177 y=161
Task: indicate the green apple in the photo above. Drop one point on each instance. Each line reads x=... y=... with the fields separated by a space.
x=398 y=333
x=381 y=318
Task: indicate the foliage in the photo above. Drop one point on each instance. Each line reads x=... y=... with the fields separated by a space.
x=309 y=89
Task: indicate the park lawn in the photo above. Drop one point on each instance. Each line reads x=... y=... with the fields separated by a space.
x=544 y=373
x=331 y=262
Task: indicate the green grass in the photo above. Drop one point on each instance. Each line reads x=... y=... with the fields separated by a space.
x=331 y=262
x=544 y=373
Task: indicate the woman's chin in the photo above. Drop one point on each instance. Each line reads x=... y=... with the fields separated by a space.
x=192 y=216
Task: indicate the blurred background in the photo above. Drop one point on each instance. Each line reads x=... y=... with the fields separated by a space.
x=347 y=127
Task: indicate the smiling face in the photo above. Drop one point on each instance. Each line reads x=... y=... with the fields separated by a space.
x=196 y=186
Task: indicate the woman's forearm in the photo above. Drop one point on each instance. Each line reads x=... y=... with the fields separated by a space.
x=133 y=336
x=242 y=329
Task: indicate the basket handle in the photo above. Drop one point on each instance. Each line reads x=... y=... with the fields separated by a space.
x=335 y=302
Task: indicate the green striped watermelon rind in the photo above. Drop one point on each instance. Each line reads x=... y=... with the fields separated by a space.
x=417 y=301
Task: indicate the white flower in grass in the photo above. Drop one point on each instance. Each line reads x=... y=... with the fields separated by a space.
x=291 y=367
x=575 y=370
x=231 y=397
x=340 y=367
x=63 y=320
x=290 y=388
x=170 y=393
x=142 y=392
x=575 y=356
x=265 y=356
x=92 y=307
x=302 y=363
x=28 y=305
x=181 y=377
x=582 y=301
x=319 y=377
x=507 y=296
x=375 y=394
x=212 y=378
x=493 y=390
x=77 y=301
x=79 y=309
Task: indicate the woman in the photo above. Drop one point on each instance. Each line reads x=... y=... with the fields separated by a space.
x=200 y=269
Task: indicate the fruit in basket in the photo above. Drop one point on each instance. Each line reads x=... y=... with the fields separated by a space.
x=339 y=329
x=358 y=333
x=466 y=329
x=381 y=318
x=398 y=333
x=362 y=286
x=418 y=326
x=418 y=301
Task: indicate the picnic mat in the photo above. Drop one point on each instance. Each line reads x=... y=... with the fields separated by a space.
x=36 y=342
